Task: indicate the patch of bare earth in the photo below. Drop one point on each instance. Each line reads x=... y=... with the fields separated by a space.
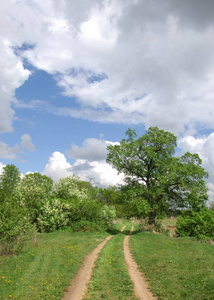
x=140 y=285
x=78 y=286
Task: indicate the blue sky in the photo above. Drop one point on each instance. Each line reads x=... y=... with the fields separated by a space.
x=75 y=75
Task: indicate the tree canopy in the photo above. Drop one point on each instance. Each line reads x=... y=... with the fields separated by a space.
x=161 y=179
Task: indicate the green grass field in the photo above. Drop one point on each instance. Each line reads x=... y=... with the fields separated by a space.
x=177 y=268
x=46 y=268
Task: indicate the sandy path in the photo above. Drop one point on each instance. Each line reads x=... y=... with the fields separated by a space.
x=78 y=286
x=140 y=284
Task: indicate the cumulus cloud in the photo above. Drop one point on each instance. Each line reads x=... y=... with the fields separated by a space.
x=204 y=147
x=97 y=172
x=27 y=143
x=9 y=152
x=57 y=166
x=124 y=62
x=92 y=149
x=12 y=76
x=130 y=62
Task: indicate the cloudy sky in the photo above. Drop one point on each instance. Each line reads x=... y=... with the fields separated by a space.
x=76 y=74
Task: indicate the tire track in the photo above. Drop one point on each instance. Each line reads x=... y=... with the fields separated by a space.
x=140 y=285
x=78 y=286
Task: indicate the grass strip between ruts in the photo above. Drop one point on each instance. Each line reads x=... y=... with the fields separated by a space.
x=110 y=278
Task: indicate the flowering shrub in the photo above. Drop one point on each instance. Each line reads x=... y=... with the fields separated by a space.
x=33 y=192
x=69 y=188
x=54 y=215
x=108 y=213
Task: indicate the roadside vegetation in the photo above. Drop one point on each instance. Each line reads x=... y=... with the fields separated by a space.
x=177 y=268
x=46 y=267
x=48 y=227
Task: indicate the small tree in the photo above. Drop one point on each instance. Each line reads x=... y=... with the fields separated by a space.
x=155 y=175
x=9 y=178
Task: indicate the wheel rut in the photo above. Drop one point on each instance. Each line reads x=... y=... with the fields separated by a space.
x=140 y=285
x=78 y=287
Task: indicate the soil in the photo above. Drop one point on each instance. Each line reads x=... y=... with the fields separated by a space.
x=78 y=286
x=140 y=285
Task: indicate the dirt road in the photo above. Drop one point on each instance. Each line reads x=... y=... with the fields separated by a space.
x=78 y=286
x=140 y=284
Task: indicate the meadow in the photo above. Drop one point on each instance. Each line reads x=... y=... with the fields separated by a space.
x=176 y=268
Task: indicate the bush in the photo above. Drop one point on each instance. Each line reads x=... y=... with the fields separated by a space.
x=15 y=228
x=196 y=224
x=69 y=188
x=54 y=215
x=33 y=192
x=85 y=225
x=108 y=214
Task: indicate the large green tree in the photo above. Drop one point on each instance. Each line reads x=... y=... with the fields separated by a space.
x=156 y=175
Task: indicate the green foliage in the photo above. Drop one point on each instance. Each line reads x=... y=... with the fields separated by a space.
x=196 y=223
x=15 y=227
x=9 y=178
x=33 y=192
x=108 y=213
x=70 y=188
x=54 y=214
x=159 y=180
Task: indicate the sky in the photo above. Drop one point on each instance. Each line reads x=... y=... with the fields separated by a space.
x=75 y=75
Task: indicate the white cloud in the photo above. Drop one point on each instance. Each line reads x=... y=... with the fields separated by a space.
x=57 y=167
x=92 y=150
x=1 y=167
x=158 y=60
x=12 y=76
x=27 y=143
x=130 y=62
x=97 y=171
x=9 y=152
x=204 y=147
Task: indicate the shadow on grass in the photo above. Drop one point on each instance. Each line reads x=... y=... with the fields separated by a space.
x=114 y=231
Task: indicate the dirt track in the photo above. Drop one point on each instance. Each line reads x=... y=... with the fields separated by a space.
x=140 y=284
x=78 y=286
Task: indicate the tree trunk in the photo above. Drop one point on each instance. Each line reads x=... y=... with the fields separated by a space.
x=152 y=216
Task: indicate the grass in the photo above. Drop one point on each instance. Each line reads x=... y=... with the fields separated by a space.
x=110 y=278
x=46 y=268
x=177 y=268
